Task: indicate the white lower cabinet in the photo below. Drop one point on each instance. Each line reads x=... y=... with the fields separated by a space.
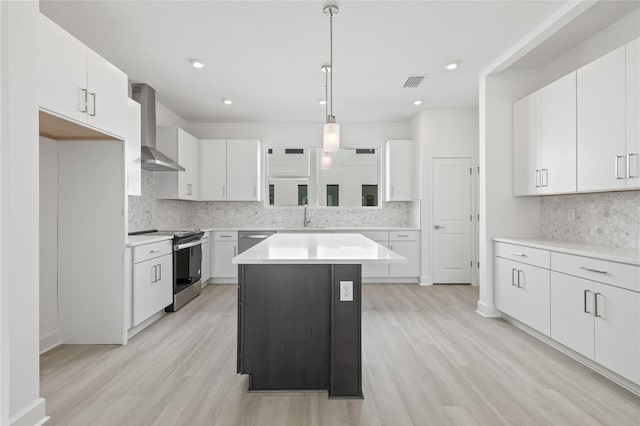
x=225 y=248
x=206 y=259
x=599 y=321
x=522 y=292
x=152 y=281
x=588 y=304
x=407 y=244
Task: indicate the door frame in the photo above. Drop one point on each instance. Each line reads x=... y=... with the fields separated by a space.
x=473 y=194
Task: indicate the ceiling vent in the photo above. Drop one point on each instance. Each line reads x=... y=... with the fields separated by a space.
x=414 y=81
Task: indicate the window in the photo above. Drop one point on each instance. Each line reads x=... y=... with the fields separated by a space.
x=271 y=194
x=303 y=195
x=333 y=195
x=369 y=195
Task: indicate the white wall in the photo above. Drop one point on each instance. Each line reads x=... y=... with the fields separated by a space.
x=615 y=35
x=49 y=331
x=167 y=118
x=20 y=401
x=442 y=133
x=301 y=134
x=502 y=215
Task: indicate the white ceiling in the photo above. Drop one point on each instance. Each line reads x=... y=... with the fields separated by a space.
x=266 y=55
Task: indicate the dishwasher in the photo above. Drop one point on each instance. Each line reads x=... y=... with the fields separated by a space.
x=248 y=239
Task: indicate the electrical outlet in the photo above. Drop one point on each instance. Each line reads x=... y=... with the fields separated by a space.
x=571 y=215
x=346 y=291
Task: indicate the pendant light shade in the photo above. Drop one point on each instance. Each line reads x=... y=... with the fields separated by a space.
x=331 y=137
x=331 y=131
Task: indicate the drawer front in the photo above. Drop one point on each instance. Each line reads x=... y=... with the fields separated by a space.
x=617 y=274
x=528 y=255
x=225 y=236
x=403 y=235
x=380 y=236
x=150 y=251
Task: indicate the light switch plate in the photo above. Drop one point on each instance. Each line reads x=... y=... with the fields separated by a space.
x=346 y=291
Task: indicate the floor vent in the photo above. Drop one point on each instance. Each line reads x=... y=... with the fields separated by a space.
x=413 y=81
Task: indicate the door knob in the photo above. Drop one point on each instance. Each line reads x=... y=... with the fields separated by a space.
x=438 y=227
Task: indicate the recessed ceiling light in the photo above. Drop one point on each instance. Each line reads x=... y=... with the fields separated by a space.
x=322 y=101
x=452 y=65
x=417 y=102
x=197 y=63
x=227 y=101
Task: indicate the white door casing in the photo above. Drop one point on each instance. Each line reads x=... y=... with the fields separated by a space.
x=451 y=242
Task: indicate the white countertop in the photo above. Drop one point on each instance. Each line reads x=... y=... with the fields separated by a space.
x=138 y=240
x=311 y=248
x=614 y=254
x=310 y=229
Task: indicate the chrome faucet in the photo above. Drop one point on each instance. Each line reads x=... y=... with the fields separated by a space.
x=305 y=221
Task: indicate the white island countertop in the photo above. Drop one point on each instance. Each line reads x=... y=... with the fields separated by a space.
x=308 y=248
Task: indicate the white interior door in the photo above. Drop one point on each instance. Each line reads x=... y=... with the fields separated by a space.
x=451 y=220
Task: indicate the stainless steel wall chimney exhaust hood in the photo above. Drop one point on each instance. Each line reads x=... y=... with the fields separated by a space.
x=151 y=158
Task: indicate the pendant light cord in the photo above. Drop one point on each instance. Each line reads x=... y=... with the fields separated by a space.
x=331 y=55
x=326 y=95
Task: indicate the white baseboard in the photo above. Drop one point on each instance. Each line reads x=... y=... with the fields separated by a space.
x=610 y=375
x=425 y=281
x=144 y=324
x=50 y=341
x=487 y=311
x=31 y=415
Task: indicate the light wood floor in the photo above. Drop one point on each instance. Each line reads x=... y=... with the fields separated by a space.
x=428 y=358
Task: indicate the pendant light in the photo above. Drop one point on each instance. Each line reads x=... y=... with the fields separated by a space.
x=331 y=131
x=325 y=160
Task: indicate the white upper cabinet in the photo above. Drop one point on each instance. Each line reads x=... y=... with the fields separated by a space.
x=62 y=71
x=213 y=169
x=526 y=145
x=76 y=83
x=399 y=170
x=132 y=149
x=183 y=148
x=633 y=114
x=558 y=136
x=230 y=170
x=602 y=123
x=106 y=95
x=243 y=170
x=544 y=139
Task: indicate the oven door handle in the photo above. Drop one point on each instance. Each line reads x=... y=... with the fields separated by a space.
x=187 y=245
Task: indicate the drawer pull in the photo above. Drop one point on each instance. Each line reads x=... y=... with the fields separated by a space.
x=402 y=236
x=586 y=311
x=597 y=271
x=225 y=236
x=595 y=299
x=517 y=253
x=154 y=251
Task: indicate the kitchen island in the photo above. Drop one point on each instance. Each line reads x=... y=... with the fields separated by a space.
x=299 y=311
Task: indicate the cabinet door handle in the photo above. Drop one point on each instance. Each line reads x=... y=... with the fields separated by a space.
x=159 y=272
x=82 y=100
x=392 y=192
x=629 y=164
x=586 y=311
x=545 y=178
x=438 y=227
x=595 y=302
x=538 y=181
x=223 y=192
x=234 y=250
x=520 y=284
x=513 y=277
x=153 y=274
x=154 y=251
x=255 y=191
x=189 y=190
x=93 y=111
x=517 y=253
x=624 y=175
x=597 y=271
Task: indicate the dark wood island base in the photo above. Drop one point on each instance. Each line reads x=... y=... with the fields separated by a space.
x=294 y=333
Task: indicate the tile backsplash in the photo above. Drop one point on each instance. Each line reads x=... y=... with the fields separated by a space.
x=145 y=212
x=610 y=218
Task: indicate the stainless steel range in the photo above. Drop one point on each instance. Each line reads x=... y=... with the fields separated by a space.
x=187 y=264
